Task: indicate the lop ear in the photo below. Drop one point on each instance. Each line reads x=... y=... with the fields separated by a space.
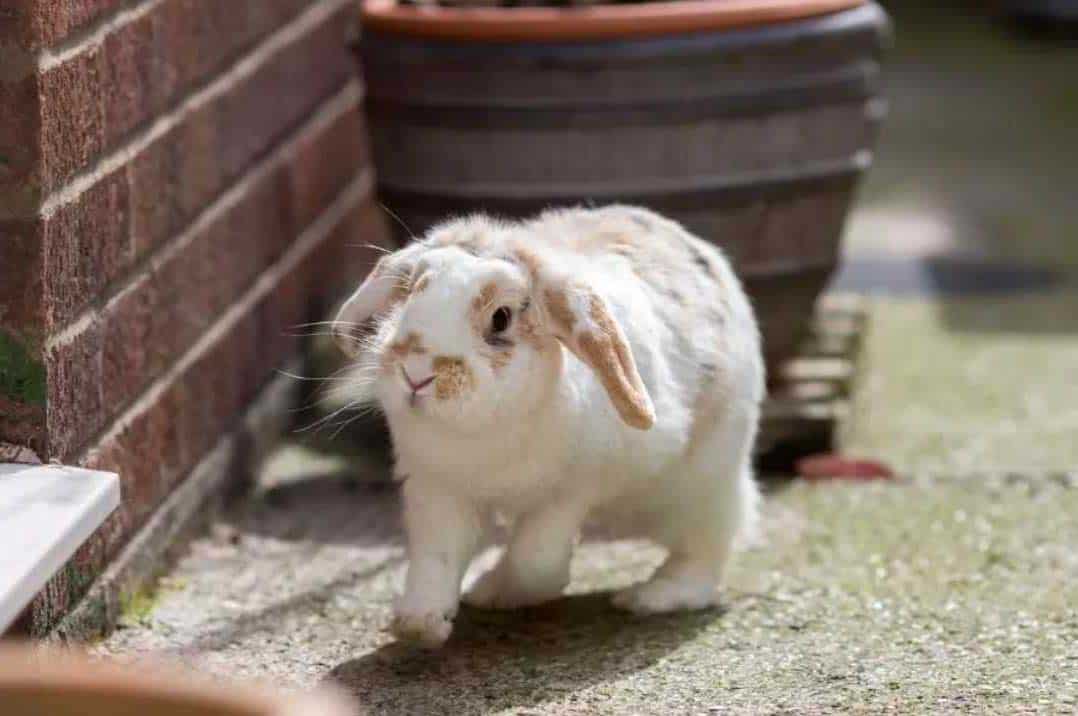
x=583 y=322
x=385 y=286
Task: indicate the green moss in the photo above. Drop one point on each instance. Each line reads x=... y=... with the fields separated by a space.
x=136 y=606
x=22 y=375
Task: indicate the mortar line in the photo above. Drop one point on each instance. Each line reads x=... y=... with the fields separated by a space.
x=29 y=61
x=323 y=116
x=93 y=36
x=243 y=68
x=349 y=197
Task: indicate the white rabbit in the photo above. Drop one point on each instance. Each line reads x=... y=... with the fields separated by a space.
x=590 y=363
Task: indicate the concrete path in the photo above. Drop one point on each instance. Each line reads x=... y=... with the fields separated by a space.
x=952 y=595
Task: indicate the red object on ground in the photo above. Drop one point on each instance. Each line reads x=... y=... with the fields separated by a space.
x=839 y=467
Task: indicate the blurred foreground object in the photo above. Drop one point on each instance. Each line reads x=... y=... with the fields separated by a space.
x=51 y=682
x=749 y=122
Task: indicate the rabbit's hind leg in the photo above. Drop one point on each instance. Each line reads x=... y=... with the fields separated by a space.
x=721 y=502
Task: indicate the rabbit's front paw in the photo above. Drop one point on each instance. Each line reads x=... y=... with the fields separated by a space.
x=497 y=590
x=662 y=595
x=420 y=625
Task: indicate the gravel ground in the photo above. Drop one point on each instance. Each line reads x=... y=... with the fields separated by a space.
x=956 y=595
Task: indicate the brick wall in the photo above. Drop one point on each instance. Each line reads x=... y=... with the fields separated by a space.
x=181 y=182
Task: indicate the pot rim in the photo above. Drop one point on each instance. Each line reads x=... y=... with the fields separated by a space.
x=598 y=22
x=34 y=672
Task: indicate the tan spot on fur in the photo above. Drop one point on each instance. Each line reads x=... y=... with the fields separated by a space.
x=485 y=298
x=528 y=260
x=411 y=343
x=557 y=305
x=452 y=379
x=421 y=284
x=498 y=359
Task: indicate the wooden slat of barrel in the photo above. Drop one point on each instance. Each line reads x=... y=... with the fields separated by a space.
x=754 y=139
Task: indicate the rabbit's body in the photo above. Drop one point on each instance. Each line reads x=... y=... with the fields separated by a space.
x=645 y=424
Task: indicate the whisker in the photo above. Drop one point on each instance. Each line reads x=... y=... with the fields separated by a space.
x=323 y=420
x=399 y=220
x=376 y=247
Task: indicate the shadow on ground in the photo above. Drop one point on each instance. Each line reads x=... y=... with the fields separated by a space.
x=501 y=660
x=494 y=660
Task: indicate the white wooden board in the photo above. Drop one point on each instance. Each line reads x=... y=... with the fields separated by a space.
x=46 y=513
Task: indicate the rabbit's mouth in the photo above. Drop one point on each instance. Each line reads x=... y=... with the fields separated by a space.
x=415 y=387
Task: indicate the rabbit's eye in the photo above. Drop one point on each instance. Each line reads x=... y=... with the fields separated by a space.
x=499 y=322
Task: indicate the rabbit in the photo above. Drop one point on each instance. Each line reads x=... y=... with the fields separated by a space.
x=589 y=363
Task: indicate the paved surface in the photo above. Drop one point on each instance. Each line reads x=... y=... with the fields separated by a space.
x=953 y=590
x=955 y=595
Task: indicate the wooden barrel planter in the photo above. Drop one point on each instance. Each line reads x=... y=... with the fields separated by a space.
x=749 y=121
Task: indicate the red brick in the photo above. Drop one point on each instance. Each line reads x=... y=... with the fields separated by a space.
x=261 y=226
x=196 y=158
x=74 y=391
x=20 y=282
x=151 y=179
x=20 y=154
x=264 y=14
x=54 y=20
x=183 y=170
x=325 y=162
x=153 y=61
x=87 y=245
x=165 y=311
x=180 y=50
x=134 y=81
x=161 y=445
x=23 y=424
x=17 y=24
x=72 y=122
x=282 y=92
x=142 y=68
x=22 y=417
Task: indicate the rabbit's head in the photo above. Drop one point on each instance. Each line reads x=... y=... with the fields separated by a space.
x=470 y=325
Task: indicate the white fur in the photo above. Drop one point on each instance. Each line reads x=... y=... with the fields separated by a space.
x=542 y=443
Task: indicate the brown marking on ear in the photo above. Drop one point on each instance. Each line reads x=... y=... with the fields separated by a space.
x=453 y=377
x=607 y=356
x=411 y=343
x=557 y=305
x=610 y=357
x=370 y=299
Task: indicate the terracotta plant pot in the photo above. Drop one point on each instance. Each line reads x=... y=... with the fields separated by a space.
x=749 y=121
x=46 y=682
